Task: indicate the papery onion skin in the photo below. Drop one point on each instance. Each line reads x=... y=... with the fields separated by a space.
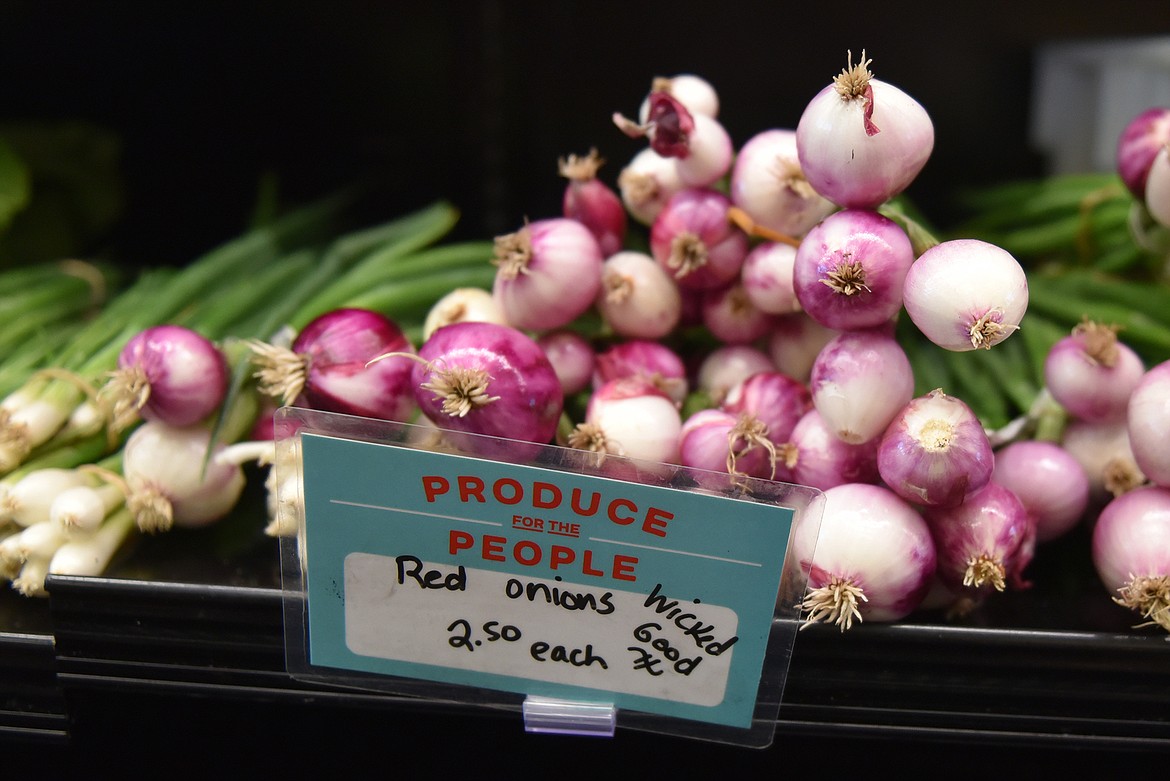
x=337 y=347
x=1148 y=423
x=528 y=399
x=186 y=373
x=873 y=540
x=849 y=269
x=693 y=91
x=859 y=382
x=695 y=242
x=1138 y=145
x=1131 y=541
x=1050 y=483
x=982 y=542
x=966 y=294
x=935 y=451
x=549 y=273
x=767 y=182
x=862 y=149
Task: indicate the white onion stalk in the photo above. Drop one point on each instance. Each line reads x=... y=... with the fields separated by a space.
x=1131 y=552
x=463 y=304
x=30 y=581
x=1148 y=423
x=26 y=427
x=873 y=559
x=82 y=509
x=966 y=294
x=90 y=555
x=166 y=480
x=29 y=499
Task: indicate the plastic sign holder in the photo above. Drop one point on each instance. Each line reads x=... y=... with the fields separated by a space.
x=585 y=591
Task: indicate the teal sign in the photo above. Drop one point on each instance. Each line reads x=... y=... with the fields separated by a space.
x=455 y=569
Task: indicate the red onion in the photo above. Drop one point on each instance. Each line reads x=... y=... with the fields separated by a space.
x=697 y=141
x=1103 y=450
x=796 y=341
x=935 y=451
x=650 y=361
x=725 y=367
x=592 y=203
x=862 y=141
x=572 y=358
x=982 y=541
x=328 y=366
x=549 y=273
x=638 y=298
x=859 y=382
x=873 y=559
x=776 y=399
x=689 y=89
x=647 y=183
x=730 y=316
x=693 y=239
x=849 y=269
x=1091 y=374
x=814 y=455
x=966 y=294
x=167 y=373
x=633 y=418
x=768 y=279
x=1051 y=484
x=767 y=182
x=721 y=441
x=484 y=378
x=1139 y=144
x=1131 y=552
x=1148 y=423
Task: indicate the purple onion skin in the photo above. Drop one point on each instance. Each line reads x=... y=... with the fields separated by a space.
x=1138 y=145
x=823 y=461
x=703 y=444
x=1050 y=482
x=188 y=375
x=773 y=397
x=852 y=236
x=1132 y=537
x=920 y=474
x=991 y=521
x=859 y=382
x=337 y=346
x=521 y=375
x=646 y=359
x=876 y=540
x=702 y=213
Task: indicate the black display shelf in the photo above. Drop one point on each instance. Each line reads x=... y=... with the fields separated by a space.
x=32 y=705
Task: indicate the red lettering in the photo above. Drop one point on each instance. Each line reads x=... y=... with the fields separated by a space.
x=470 y=487
x=559 y=555
x=532 y=556
x=459 y=541
x=540 y=490
x=584 y=512
x=493 y=547
x=623 y=567
x=433 y=486
x=655 y=522
x=623 y=520
x=587 y=565
x=517 y=491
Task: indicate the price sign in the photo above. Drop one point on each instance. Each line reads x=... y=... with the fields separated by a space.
x=537 y=579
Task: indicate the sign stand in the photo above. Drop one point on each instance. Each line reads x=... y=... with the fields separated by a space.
x=565 y=717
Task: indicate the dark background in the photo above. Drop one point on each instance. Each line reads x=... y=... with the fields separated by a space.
x=474 y=100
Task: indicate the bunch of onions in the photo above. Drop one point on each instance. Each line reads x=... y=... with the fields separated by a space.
x=873 y=559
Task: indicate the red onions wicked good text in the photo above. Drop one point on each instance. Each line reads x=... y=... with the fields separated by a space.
x=862 y=141
x=874 y=558
x=966 y=294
